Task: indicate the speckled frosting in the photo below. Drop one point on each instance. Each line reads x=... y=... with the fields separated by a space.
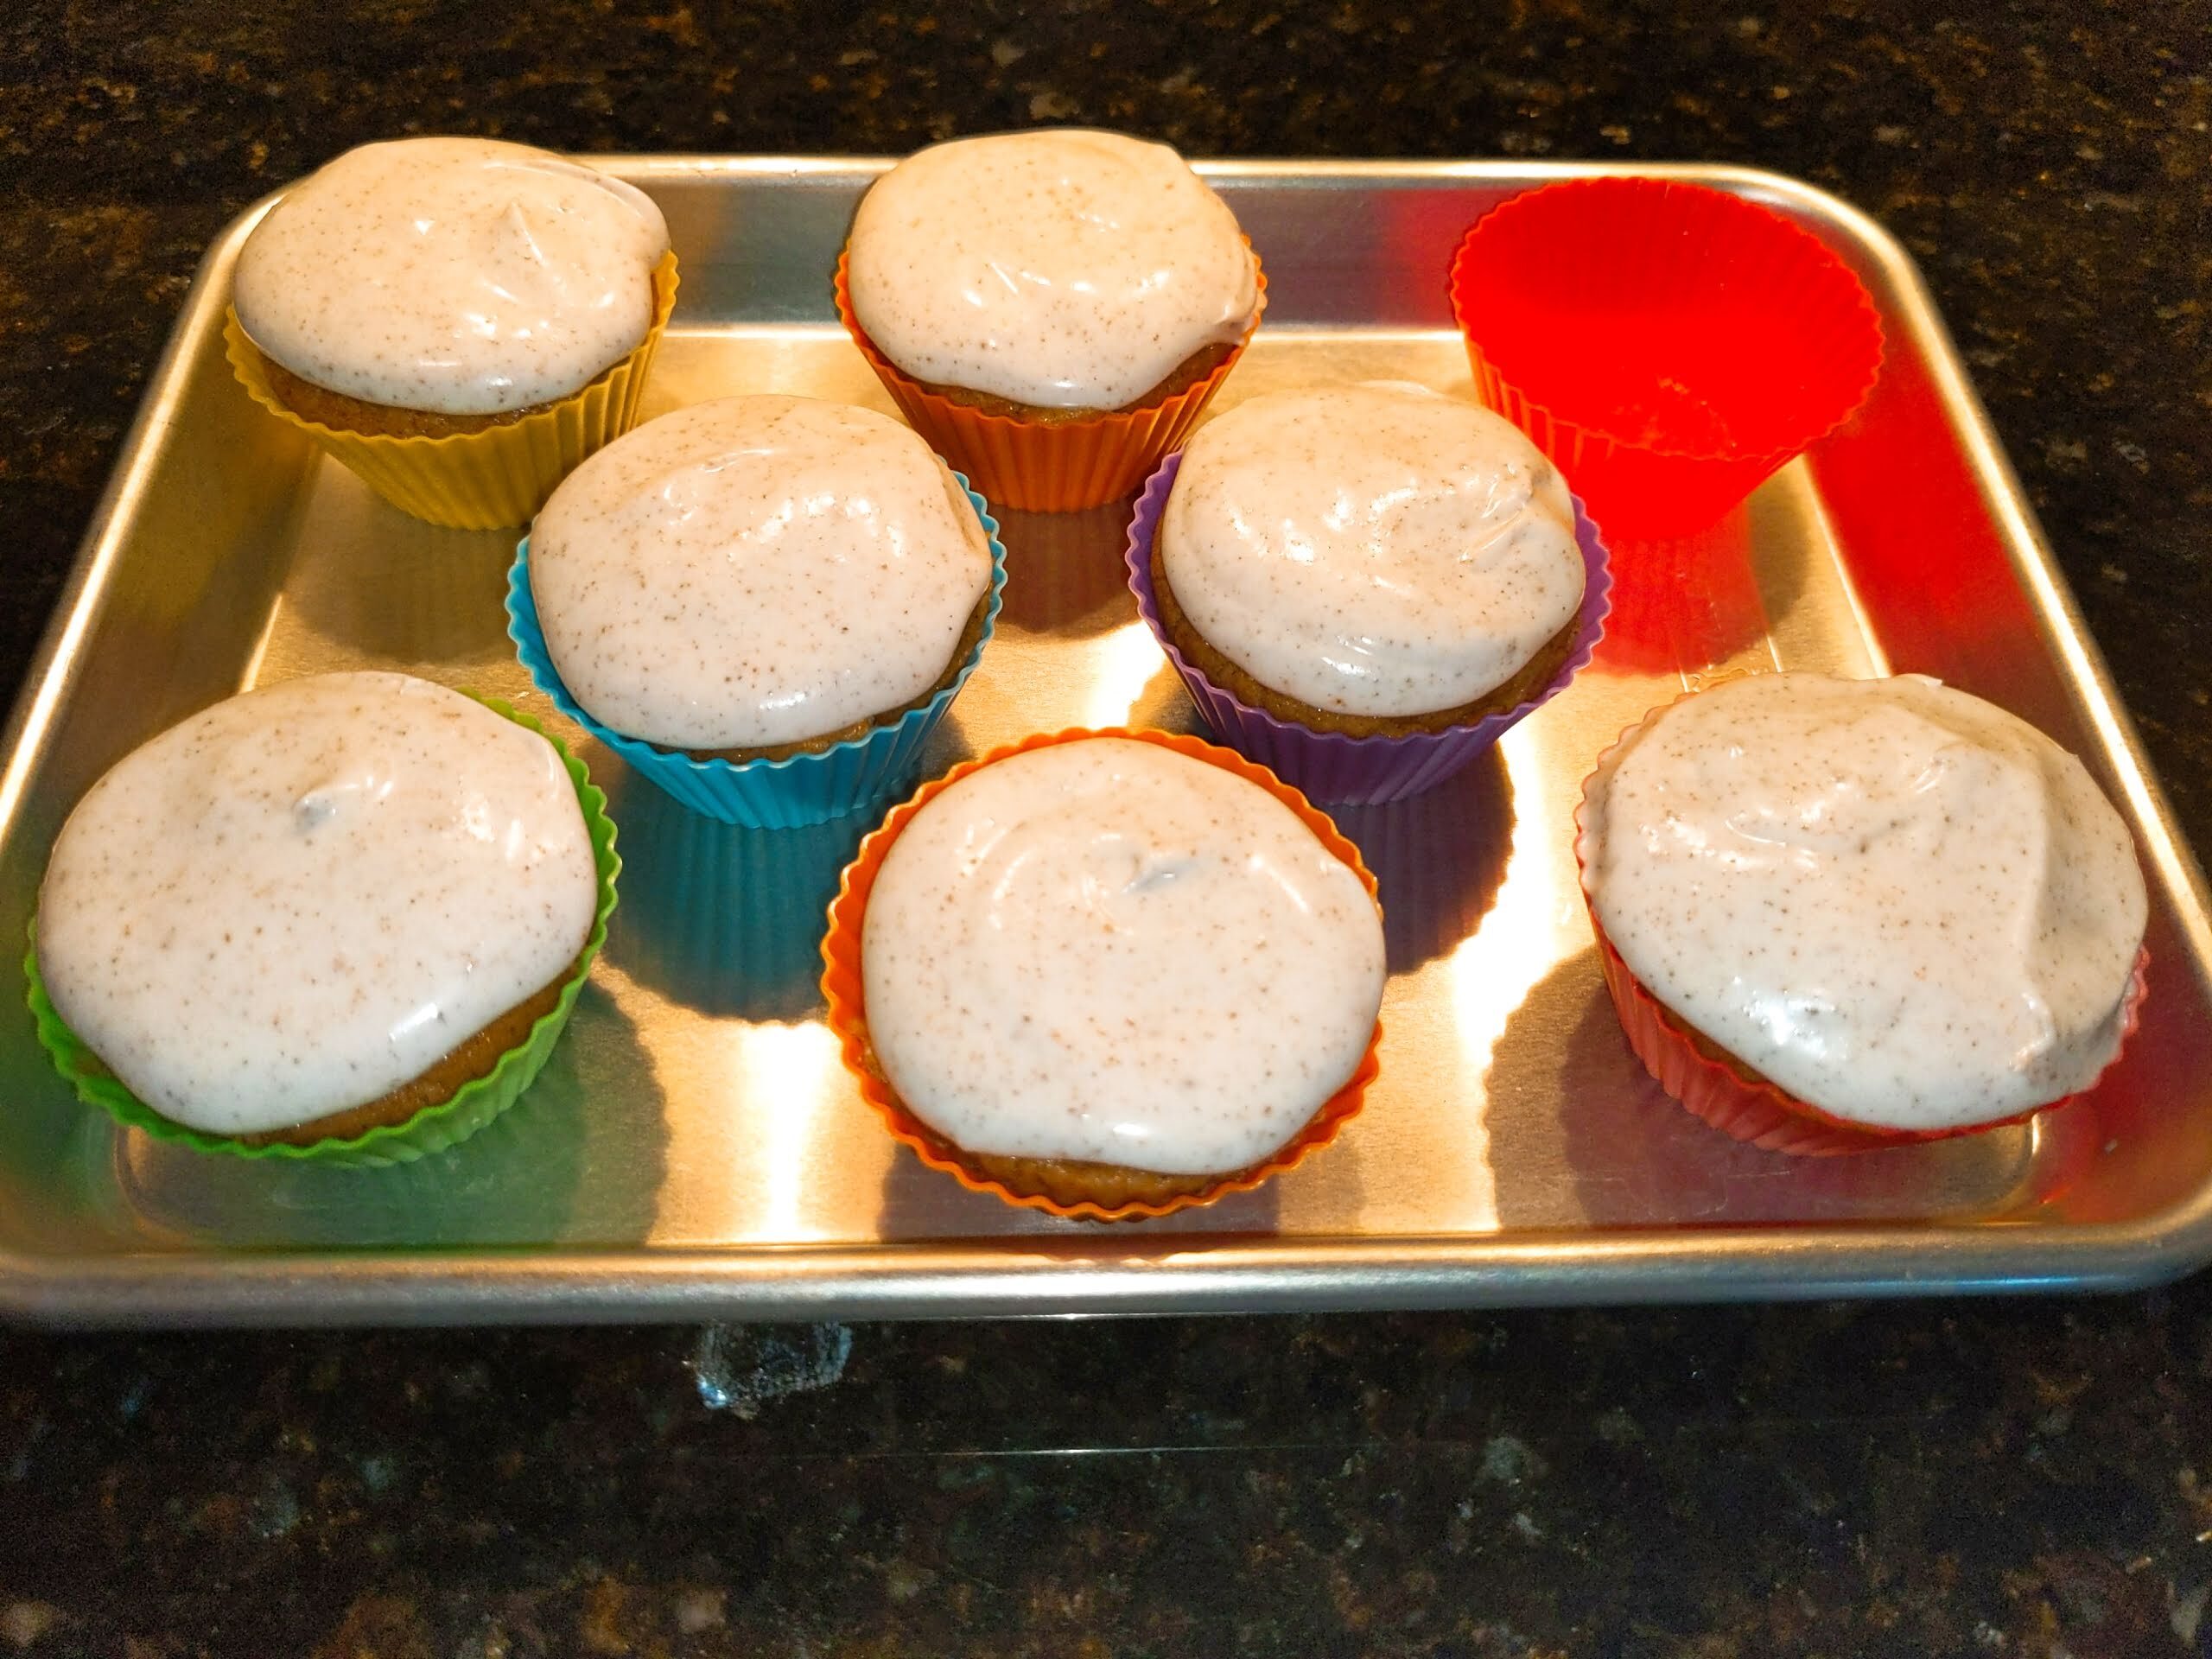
x=1372 y=549
x=457 y=276
x=755 y=571
x=302 y=897
x=1063 y=269
x=1901 y=905
x=1109 y=951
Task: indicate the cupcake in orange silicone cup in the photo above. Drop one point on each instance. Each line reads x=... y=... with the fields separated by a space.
x=1668 y=345
x=1108 y=975
x=1050 y=309
x=1847 y=915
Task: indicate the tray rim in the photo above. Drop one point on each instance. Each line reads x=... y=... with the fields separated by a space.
x=1089 y=1274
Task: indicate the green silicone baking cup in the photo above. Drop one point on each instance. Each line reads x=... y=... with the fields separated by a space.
x=434 y=1128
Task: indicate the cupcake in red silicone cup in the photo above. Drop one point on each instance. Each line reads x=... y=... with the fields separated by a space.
x=1108 y=975
x=1364 y=587
x=1051 y=310
x=1667 y=344
x=1842 y=916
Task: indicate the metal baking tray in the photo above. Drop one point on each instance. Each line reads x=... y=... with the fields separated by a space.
x=693 y=1151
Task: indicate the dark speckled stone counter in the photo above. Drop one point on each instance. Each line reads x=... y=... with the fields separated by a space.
x=1989 y=1478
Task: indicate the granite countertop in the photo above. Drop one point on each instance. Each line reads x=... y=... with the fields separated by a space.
x=2015 y=1478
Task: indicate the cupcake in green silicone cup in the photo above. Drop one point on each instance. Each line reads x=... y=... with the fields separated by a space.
x=343 y=919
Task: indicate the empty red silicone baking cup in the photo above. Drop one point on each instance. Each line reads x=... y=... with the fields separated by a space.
x=1750 y=1109
x=841 y=987
x=1668 y=345
x=1048 y=465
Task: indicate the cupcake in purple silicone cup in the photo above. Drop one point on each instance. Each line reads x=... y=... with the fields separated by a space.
x=1363 y=587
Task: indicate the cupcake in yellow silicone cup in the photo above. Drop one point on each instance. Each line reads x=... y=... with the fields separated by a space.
x=1053 y=309
x=341 y=918
x=458 y=320
x=1846 y=915
x=1108 y=974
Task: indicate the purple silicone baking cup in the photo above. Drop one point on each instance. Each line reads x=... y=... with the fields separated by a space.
x=1330 y=766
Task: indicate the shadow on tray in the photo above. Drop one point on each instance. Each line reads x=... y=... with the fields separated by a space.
x=429 y=595
x=1439 y=858
x=724 y=920
x=1581 y=1135
x=1065 y=573
x=578 y=1160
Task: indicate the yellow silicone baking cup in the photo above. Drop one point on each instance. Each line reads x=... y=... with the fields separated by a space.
x=487 y=479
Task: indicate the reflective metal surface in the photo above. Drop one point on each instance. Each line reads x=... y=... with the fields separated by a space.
x=693 y=1151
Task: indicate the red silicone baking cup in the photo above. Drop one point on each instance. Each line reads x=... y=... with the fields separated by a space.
x=842 y=988
x=1048 y=465
x=1751 y=1108
x=1669 y=345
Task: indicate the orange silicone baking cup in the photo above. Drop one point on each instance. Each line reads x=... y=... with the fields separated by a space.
x=1056 y=465
x=1750 y=1109
x=842 y=986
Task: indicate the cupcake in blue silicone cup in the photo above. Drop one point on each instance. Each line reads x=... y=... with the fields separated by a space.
x=1364 y=587
x=765 y=604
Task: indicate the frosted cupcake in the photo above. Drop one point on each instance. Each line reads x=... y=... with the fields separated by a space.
x=1052 y=309
x=745 y=591
x=1109 y=971
x=455 y=288
x=1365 y=563
x=1848 y=913
x=320 y=911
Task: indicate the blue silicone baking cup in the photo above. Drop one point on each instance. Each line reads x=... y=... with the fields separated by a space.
x=787 y=794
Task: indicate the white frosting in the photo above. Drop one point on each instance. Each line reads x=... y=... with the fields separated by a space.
x=458 y=276
x=1371 y=549
x=1063 y=269
x=1109 y=951
x=1903 y=905
x=302 y=898
x=756 y=571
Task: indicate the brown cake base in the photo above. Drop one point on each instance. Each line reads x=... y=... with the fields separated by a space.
x=861 y=729
x=344 y=414
x=473 y=1057
x=1073 y=1180
x=1182 y=378
x=1526 y=683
